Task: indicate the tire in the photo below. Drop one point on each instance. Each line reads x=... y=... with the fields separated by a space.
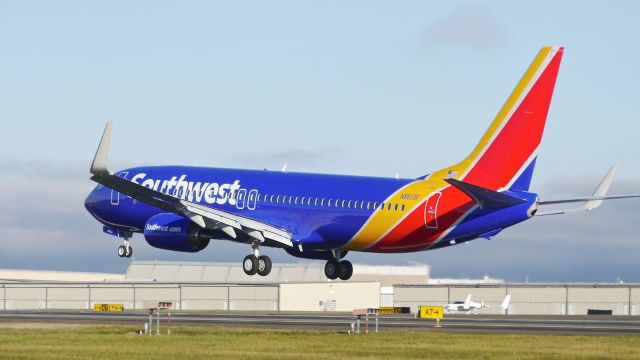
x=346 y=270
x=122 y=251
x=250 y=264
x=332 y=269
x=264 y=265
x=129 y=251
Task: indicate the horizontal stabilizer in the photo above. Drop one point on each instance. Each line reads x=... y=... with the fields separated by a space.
x=485 y=197
x=590 y=202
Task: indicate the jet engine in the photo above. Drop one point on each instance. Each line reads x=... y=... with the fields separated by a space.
x=173 y=232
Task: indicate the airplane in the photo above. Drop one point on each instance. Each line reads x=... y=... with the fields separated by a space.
x=323 y=217
x=471 y=307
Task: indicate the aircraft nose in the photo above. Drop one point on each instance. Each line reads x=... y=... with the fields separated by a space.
x=92 y=200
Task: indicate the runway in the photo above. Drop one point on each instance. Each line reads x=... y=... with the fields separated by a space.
x=600 y=325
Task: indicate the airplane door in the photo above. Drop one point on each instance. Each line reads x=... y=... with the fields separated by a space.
x=115 y=196
x=252 y=199
x=242 y=195
x=431 y=211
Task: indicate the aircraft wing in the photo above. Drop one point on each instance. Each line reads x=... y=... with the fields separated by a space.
x=589 y=203
x=204 y=216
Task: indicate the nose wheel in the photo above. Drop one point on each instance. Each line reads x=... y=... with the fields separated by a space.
x=256 y=263
x=125 y=250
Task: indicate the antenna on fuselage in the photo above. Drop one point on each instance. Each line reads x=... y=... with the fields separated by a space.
x=284 y=168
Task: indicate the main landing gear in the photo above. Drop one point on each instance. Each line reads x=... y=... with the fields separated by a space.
x=335 y=268
x=256 y=263
x=125 y=250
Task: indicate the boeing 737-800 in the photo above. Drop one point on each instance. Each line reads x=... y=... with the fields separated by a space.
x=318 y=216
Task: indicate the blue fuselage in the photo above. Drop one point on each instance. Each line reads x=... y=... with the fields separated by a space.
x=320 y=211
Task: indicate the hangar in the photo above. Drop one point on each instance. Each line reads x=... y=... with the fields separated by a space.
x=299 y=287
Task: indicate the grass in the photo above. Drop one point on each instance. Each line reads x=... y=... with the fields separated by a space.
x=119 y=342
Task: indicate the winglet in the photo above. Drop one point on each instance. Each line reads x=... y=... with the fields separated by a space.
x=99 y=165
x=602 y=189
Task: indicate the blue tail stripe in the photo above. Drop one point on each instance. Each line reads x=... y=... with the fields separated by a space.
x=524 y=180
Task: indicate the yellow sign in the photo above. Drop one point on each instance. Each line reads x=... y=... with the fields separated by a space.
x=431 y=312
x=389 y=310
x=108 y=307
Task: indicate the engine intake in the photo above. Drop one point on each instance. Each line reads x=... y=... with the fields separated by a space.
x=173 y=232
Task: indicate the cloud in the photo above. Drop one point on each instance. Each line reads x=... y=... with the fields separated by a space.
x=23 y=168
x=469 y=26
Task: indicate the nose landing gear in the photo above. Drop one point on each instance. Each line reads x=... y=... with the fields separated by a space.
x=125 y=250
x=256 y=263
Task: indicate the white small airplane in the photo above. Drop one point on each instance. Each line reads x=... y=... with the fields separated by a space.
x=471 y=307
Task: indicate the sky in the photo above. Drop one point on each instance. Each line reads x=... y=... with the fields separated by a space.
x=361 y=87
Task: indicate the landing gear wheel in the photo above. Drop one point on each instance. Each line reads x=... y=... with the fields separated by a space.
x=250 y=264
x=122 y=251
x=346 y=270
x=332 y=269
x=264 y=265
x=129 y=251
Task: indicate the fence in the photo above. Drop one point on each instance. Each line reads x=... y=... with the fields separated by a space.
x=18 y=296
x=528 y=299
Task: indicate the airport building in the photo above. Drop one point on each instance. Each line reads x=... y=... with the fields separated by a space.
x=301 y=287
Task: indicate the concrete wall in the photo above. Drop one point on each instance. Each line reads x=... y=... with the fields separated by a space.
x=15 y=296
x=329 y=296
x=526 y=299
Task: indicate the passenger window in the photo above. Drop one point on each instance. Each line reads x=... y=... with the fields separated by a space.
x=395 y=207
x=322 y=202
x=258 y=198
x=309 y=200
x=388 y=206
x=295 y=201
x=381 y=206
x=278 y=199
x=402 y=208
x=302 y=201
x=330 y=202
x=290 y=199
x=349 y=204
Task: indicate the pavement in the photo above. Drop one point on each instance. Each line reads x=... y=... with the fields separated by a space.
x=504 y=324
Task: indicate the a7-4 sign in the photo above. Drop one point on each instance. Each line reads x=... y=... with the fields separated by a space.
x=431 y=312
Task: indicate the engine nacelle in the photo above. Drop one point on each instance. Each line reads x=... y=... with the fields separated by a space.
x=173 y=232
